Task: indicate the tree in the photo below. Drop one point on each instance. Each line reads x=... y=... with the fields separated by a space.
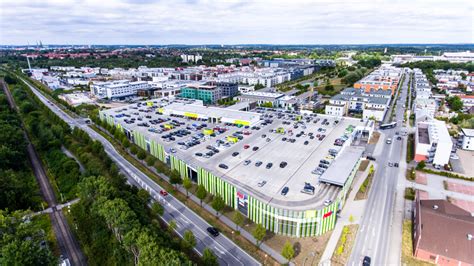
x=150 y=160
x=218 y=204
x=189 y=239
x=143 y=195
x=258 y=86
x=259 y=233
x=126 y=143
x=172 y=225
x=157 y=209
x=201 y=193
x=187 y=184
x=421 y=165
x=134 y=149
x=208 y=258
x=288 y=252
x=175 y=178
x=455 y=103
x=23 y=243
x=238 y=219
x=141 y=154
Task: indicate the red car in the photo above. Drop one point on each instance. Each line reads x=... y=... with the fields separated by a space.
x=163 y=193
x=246 y=146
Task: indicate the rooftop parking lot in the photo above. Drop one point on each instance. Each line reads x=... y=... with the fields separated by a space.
x=274 y=159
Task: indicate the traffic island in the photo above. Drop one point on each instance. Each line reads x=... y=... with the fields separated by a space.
x=344 y=245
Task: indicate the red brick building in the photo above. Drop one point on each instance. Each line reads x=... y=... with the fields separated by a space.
x=443 y=233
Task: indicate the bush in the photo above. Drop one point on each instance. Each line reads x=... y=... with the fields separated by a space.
x=421 y=165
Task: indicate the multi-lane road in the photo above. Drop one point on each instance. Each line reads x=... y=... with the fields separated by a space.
x=374 y=235
x=228 y=253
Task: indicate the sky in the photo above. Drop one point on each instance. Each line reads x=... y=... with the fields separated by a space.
x=148 y=22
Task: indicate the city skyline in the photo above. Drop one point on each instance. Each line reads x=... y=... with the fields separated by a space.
x=150 y=22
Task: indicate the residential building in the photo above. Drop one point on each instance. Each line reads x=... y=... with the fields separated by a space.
x=433 y=143
x=209 y=94
x=372 y=104
x=386 y=77
x=467 y=136
x=261 y=97
x=117 y=88
x=442 y=233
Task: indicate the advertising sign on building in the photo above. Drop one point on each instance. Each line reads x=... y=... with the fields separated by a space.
x=242 y=203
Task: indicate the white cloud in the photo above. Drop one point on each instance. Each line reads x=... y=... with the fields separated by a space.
x=235 y=21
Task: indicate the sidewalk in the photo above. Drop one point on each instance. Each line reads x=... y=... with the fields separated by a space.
x=352 y=207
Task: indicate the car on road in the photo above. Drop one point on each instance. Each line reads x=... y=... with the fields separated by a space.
x=366 y=261
x=390 y=164
x=395 y=164
x=261 y=183
x=389 y=141
x=399 y=138
x=283 y=164
x=223 y=166
x=213 y=231
x=284 y=191
x=327 y=202
x=371 y=158
x=163 y=193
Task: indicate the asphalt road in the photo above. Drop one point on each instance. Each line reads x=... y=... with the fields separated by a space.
x=228 y=253
x=373 y=237
x=68 y=245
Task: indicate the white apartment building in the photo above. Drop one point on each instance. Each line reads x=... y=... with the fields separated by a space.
x=117 y=88
x=373 y=104
x=433 y=143
x=424 y=107
x=467 y=139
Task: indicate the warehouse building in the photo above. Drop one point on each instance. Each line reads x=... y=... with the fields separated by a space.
x=263 y=164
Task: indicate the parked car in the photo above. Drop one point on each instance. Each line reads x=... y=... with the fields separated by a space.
x=246 y=146
x=223 y=166
x=258 y=163
x=283 y=164
x=269 y=165
x=261 y=183
x=235 y=153
x=284 y=191
x=247 y=162
x=255 y=148
x=327 y=202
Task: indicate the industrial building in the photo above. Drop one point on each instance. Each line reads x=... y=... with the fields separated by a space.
x=288 y=171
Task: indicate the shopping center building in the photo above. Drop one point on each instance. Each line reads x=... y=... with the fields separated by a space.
x=288 y=171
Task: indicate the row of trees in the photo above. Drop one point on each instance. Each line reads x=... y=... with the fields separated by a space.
x=114 y=223
x=23 y=241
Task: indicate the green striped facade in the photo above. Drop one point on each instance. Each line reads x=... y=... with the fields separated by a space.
x=280 y=221
x=180 y=166
x=217 y=186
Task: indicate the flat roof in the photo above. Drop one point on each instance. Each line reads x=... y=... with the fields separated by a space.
x=301 y=158
x=340 y=170
x=212 y=111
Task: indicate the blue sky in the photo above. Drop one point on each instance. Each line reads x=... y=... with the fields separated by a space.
x=236 y=21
